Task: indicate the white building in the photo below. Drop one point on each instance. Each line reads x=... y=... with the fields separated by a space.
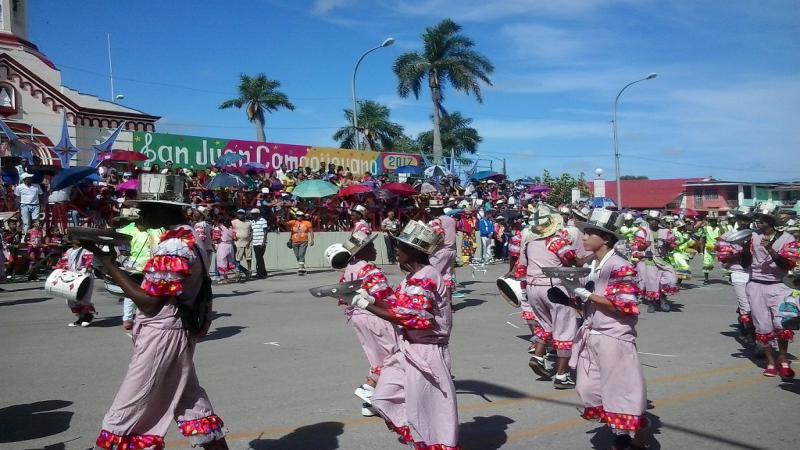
x=33 y=98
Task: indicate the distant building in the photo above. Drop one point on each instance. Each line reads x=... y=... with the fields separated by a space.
x=649 y=194
x=710 y=194
x=33 y=98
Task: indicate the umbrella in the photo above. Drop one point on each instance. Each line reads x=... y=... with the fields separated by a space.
x=527 y=181
x=383 y=194
x=130 y=185
x=255 y=166
x=488 y=175
x=124 y=156
x=685 y=211
x=602 y=202
x=454 y=212
x=401 y=189
x=71 y=176
x=410 y=170
x=228 y=180
x=538 y=189
x=354 y=190
x=427 y=188
x=436 y=171
x=228 y=159
x=314 y=189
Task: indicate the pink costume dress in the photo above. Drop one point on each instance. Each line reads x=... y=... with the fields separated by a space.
x=161 y=383
x=609 y=378
x=79 y=260
x=377 y=337
x=444 y=257
x=415 y=393
x=226 y=258
x=204 y=235
x=765 y=289
x=656 y=277
x=362 y=226
x=730 y=256
x=557 y=324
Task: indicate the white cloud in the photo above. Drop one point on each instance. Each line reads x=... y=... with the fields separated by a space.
x=548 y=43
x=540 y=129
x=323 y=7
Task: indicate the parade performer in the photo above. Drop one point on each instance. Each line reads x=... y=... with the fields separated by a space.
x=377 y=337
x=79 y=260
x=774 y=254
x=709 y=234
x=610 y=381
x=415 y=392
x=35 y=241
x=466 y=225
x=730 y=255
x=223 y=236
x=357 y=217
x=679 y=257
x=444 y=256
x=161 y=384
x=557 y=324
x=656 y=278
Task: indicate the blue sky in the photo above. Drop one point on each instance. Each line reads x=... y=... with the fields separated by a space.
x=725 y=102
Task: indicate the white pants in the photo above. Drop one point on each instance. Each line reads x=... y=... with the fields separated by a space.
x=487 y=246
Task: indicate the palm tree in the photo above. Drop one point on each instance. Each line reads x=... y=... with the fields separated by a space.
x=448 y=56
x=457 y=136
x=259 y=94
x=373 y=118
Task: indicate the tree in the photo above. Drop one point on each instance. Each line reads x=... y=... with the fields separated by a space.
x=373 y=123
x=457 y=137
x=561 y=187
x=259 y=94
x=447 y=56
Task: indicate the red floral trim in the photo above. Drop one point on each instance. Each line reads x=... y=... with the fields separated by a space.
x=594 y=413
x=162 y=288
x=791 y=253
x=375 y=282
x=623 y=272
x=376 y=370
x=436 y=224
x=206 y=425
x=542 y=335
x=764 y=338
x=640 y=243
x=785 y=335
x=417 y=302
x=561 y=248
x=627 y=308
x=745 y=319
x=528 y=316
x=83 y=309
x=650 y=295
x=168 y=263
x=404 y=432
x=423 y=446
x=520 y=271
x=178 y=233
x=625 y=422
x=670 y=290
x=110 y=441
x=562 y=345
x=725 y=251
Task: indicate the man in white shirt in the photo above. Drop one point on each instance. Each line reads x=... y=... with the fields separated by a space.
x=28 y=195
x=260 y=226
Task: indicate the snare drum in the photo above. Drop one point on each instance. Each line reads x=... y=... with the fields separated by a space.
x=68 y=284
x=511 y=290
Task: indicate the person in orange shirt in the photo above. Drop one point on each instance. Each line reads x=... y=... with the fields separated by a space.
x=302 y=236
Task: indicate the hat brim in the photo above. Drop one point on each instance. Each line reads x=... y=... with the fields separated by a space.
x=556 y=223
x=584 y=226
x=370 y=238
x=414 y=245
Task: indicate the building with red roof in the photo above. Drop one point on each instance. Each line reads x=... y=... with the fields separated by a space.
x=648 y=194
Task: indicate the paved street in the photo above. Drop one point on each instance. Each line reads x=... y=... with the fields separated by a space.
x=281 y=366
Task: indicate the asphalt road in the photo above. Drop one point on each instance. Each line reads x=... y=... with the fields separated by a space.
x=281 y=366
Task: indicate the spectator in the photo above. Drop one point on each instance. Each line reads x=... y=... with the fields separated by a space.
x=259 y=226
x=243 y=230
x=302 y=236
x=486 y=227
x=390 y=226
x=28 y=196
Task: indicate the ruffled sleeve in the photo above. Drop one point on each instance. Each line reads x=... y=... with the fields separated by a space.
x=640 y=242
x=521 y=268
x=670 y=242
x=363 y=227
x=414 y=303
x=561 y=248
x=791 y=253
x=375 y=283
x=169 y=264
x=436 y=224
x=62 y=263
x=87 y=259
x=622 y=291
x=726 y=251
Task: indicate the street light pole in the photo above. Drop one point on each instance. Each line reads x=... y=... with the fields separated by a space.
x=616 y=140
x=387 y=42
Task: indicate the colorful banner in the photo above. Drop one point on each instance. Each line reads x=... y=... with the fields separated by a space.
x=200 y=152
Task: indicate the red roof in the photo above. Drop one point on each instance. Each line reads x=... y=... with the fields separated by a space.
x=647 y=194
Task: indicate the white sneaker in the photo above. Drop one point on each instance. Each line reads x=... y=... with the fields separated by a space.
x=85 y=324
x=367 y=410
x=364 y=392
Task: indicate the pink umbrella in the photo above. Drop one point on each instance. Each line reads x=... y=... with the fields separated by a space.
x=130 y=185
x=538 y=189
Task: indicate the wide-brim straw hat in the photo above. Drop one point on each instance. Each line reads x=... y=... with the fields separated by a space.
x=419 y=236
x=357 y=241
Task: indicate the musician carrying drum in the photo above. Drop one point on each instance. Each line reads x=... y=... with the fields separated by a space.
x=73 y=279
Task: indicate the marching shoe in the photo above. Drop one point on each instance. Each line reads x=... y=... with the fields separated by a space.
x=563 y=381
x=367 y=410
x=364 y=392
x=770 y=371
x=539 y=366
x=786 y=371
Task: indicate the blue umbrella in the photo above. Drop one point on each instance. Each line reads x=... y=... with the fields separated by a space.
x=488 y=175
x=410 y=170
x=254 y=165
x=315 y=189
x=603 y=202
x=229 y=158
x=71 y=176
x=228 y=180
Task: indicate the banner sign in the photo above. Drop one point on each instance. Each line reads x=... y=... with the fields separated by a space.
x=200 y=152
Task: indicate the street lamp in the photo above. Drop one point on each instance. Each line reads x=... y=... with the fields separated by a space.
x=616 y=141
x=387 y=42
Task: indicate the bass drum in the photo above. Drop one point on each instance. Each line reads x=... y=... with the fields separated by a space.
x=113 y=288
x=511 y=290
x=67 y=284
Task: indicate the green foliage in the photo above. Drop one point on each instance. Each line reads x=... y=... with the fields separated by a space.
x=457 y=136
x=258 y=94
x=561 y=186
x=377 y=130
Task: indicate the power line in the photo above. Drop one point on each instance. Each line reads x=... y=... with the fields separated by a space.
x=707 y=166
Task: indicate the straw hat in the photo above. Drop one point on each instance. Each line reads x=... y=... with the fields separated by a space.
x=436 y=202
x=653 y=214
x=544 y=222
x=358 y=241
x=419 y=236
x=359 y=209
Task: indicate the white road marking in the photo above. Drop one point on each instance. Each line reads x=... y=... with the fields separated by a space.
x=657 y=354
x=512 y=324
x=276 y=344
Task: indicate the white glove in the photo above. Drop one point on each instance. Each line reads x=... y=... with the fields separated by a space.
x=362 y=299
x=582 y=294
x=571 y=284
